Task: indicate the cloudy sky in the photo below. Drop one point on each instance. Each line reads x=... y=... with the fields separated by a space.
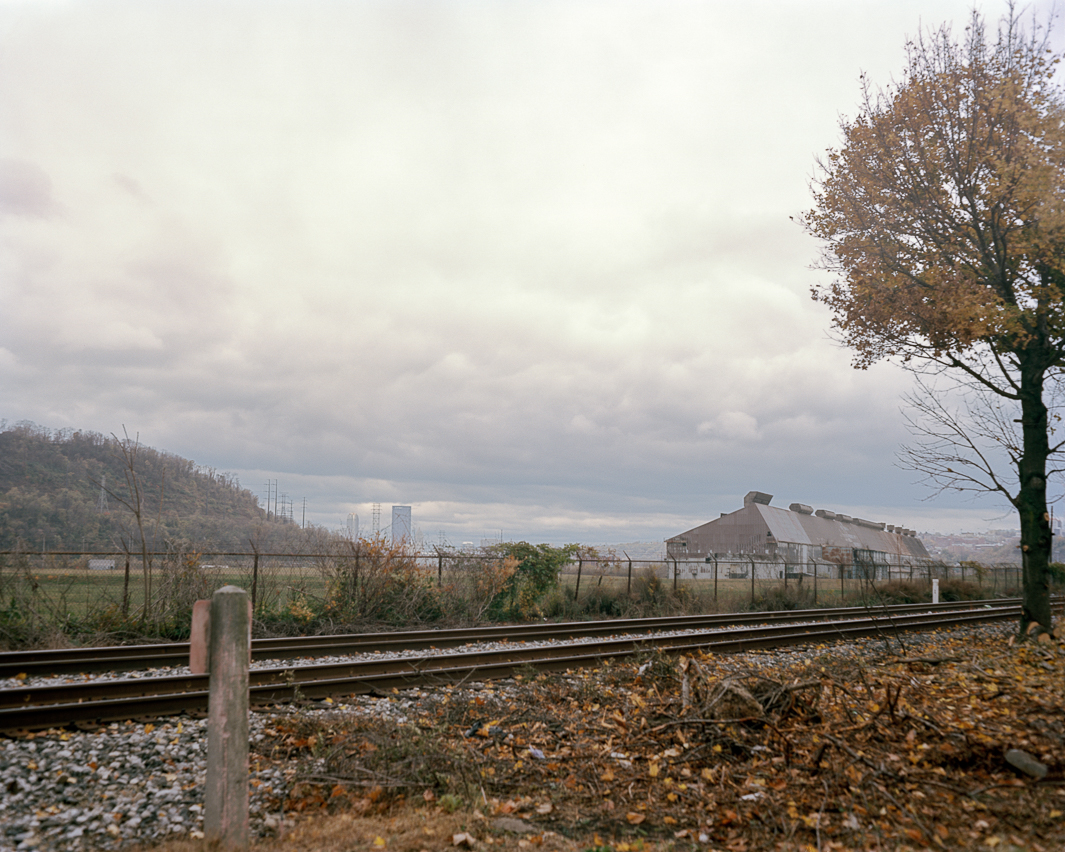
x=525 y=266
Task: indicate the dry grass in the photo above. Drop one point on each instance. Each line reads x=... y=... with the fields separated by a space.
x=406 y=828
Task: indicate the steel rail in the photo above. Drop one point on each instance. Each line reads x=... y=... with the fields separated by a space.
x=133 y=657
x=30 y=708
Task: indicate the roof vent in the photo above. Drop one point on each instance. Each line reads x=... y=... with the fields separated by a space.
x=757 y=497
x=801 y=508
x=827 y=515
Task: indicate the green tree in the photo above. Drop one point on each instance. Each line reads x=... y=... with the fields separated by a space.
x=941 y=217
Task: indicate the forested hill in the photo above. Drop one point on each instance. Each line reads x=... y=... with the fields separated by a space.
x=50 y=486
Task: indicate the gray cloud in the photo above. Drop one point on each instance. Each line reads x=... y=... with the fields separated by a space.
x=25 y=190
x=525 y=266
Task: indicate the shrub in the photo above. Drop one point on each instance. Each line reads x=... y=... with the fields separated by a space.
x=375 y=581
x=472 y=585
x=536 y=572
x=778 y=598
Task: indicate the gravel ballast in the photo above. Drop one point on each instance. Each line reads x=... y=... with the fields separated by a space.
x=139 y=782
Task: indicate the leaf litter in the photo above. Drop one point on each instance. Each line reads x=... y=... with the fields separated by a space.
x=956 y=741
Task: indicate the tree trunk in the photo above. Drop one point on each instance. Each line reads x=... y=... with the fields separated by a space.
x=1031 y=503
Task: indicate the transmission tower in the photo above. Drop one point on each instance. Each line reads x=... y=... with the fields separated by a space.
x=376 y=519
x=101 y=501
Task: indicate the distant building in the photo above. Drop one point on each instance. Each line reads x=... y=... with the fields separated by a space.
x=401 y=526
x=797 y=541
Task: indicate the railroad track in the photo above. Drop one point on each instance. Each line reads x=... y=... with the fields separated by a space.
x=137 y=657
x=90 y=703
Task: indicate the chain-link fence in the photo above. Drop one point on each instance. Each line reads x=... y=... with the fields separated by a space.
x=377 y=583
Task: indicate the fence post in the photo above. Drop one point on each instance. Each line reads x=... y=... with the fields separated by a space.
x=254 y=576
x=841 y=594
x=628 y=587
x=674 y=573
x=226 y=788
x=714 y=556
x=577 y=588
x=751 y=559
x=439 y=569
x=125 y=590
x=815 y=582
x=354 y=594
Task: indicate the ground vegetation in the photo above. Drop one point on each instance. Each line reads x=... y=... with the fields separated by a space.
x=946 y=741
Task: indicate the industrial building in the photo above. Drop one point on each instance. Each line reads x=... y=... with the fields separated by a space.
x=401 y=525
x=796 y=541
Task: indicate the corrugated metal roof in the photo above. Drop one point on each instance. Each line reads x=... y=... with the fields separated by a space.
x=744 y=531
x=793 y=527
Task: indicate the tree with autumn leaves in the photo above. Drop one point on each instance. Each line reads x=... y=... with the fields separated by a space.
x=942 y=219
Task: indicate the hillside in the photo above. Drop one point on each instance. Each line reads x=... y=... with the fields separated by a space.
x=50 y=487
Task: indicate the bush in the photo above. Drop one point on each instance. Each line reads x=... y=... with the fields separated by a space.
x=472 y=585
x=781 y=598
x=536 y=573
x=650 y=596
x=915 y=591
x=377 y=582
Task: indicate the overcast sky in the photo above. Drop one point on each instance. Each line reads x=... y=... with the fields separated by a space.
x=525 y=266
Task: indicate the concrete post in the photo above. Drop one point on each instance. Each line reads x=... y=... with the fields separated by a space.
x=935 y=591
x=226 y=790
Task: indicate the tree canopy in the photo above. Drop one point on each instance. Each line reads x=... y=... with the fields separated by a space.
x=942 y=219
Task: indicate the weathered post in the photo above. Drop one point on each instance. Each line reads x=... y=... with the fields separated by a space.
x=200 y=637
x=439 y=568
x=935 y=591
x=674 y=573
x=815 y=582
x=580 y=565
x=715 y=579
x=125 y=589
x=628 y=587
x=226 y=789
x=254 y=577
x=751 y=559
